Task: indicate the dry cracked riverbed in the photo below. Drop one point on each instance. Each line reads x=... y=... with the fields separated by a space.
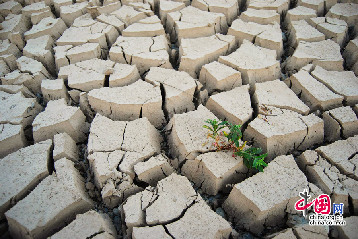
x=102 y=104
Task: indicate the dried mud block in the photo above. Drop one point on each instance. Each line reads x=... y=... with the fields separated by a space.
x=129 y=102
x=329 y=179
x=179 y=89
x=323 y=53
x=128 y=15
x=345 y=11
x=145 y=28
x=350 y=229
x=54 y=90
x=103 y=9
x=344 y=83
x=214 y=171
x=58 y=117
x=74 y=96
x=123 y=74
x=66 y=55
x=314 y=93
x=103 y=138
x=53 y=27
x=233 y=106
x=18 y=110
x=85 y=106
x=13 y=89
x=188 y=138
x=229 y=8
x=111 y=20
x=86 y=30
x=219 y=77
x=210 y=224
x=268 y=36
x=25 y=168
x=60 y=53
x=12 y=138
x=194 y=53
x=302 y=31
x=8 y=48
x=350 y=53
x=10 y=7
x=104 y=167
x=280 y=6
x=120 y=149
x=17 y=39
x=343 y=155
x=109 y=174
x=86 y=75
x=65 y=147
x=166 y=7
x=34 y=67
x=173 y=201
x=332 y=28
x=252 y=206
x=32 y=82
x=255 y=63
x=280 y=131
x=299 y=13
x=192 y=22
x=145 y=7
x=40 y=49
x=149 y=232
x=4 y=69
x=153 y=170
x=144 y=52
x=37 y=221
x=260 y=16
x=317 y=5
x=340 y=123
x=36 y=7
x=87 y=225
x=277 y=94
x=36 y=72
x=70 y=12
x=38 y=16
x=57 y=4
x=10 y=61
x=12 y=24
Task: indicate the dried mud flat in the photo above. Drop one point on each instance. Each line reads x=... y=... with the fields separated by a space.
x=102 y=104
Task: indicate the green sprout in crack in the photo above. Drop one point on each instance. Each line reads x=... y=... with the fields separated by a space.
x=231 y=140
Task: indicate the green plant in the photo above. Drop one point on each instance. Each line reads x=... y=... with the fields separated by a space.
x=231 y=140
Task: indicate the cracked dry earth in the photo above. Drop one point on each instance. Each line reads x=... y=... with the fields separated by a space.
x=102 y=104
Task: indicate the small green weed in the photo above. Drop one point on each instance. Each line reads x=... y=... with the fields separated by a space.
x=230 y=140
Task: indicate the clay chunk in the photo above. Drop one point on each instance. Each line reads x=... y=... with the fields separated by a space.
x=233 y=105
x=188 y=138
x=250 y=203
x=86 y=225
x=322 y=53
x=140 y=99
x=37 y=221
x=194 y=53
x=175 y=205
x=256 y=64
x=215 y=171
x=192 y=22
x=58 y=117
x=144 y=52
x=280 y=131
x=25 y=168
